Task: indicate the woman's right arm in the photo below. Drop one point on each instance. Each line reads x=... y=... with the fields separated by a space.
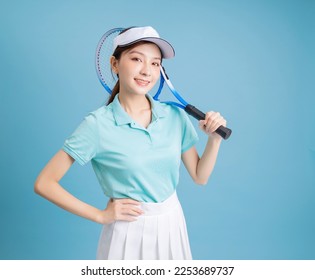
x=47 y=185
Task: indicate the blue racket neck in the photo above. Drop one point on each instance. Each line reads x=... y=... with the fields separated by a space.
x=163 y=79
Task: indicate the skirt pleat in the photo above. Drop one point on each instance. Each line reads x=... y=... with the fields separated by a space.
x=104 y=241
x=163 y=242
x=159 y=234
x=133 y=248
x=118 y=241
x=149 y=239
x=176 y=250
x=184 y=239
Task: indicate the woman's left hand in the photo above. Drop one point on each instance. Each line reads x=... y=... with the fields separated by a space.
x=211 y=123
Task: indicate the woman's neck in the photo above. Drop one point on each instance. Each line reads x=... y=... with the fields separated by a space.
x=138 y=107
x=134 y=104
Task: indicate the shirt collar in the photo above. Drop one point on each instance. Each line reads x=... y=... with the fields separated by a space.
x=121 y=117
x=158 y=110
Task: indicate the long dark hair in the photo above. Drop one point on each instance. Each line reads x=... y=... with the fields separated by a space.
x=117 y=54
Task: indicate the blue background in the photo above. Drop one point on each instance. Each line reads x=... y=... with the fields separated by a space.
x=251 y=60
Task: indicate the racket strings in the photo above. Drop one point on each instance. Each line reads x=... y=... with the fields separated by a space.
x=103 y=55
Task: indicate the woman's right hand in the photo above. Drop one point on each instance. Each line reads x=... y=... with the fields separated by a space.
x=124 y=209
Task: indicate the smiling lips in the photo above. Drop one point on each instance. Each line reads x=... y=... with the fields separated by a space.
x=141 y=82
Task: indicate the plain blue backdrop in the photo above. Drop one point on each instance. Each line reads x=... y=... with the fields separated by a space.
x=251 y=60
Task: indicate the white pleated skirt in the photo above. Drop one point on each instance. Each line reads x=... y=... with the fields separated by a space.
x=159 y=234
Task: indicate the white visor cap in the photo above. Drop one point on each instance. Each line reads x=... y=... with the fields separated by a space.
x=146 y=33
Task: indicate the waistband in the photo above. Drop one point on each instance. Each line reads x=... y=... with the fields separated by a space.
x=152 y=208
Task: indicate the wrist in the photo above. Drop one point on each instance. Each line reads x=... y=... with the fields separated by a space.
x=100 y=216
x=215 y=139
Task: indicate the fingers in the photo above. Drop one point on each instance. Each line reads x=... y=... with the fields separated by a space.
x=128 y=201
x=124 y=209
x=128 y=206
x=134 y=211
x=129 y=214
x=212 y=122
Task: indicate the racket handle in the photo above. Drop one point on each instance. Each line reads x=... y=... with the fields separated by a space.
x=223 y=131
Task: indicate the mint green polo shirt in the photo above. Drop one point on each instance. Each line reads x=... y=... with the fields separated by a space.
x=131 y=161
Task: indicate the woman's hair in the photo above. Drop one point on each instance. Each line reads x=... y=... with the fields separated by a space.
x=117 y=54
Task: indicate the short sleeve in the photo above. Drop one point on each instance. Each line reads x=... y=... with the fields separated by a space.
x=189 y=134
x=82 y=144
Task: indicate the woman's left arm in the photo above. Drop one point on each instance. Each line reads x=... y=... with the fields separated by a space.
x=200 y=168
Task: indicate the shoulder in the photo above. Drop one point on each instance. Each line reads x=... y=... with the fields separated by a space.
x=101 y=114
x=166 y=108
x=176 y=113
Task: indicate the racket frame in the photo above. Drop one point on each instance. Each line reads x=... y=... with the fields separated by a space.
x=97 y=56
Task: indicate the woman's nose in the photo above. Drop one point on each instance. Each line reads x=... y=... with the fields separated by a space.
x=146 y=71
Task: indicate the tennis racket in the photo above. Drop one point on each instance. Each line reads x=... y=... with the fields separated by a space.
x=104 y=51
x=108 y=80
x=223 y=131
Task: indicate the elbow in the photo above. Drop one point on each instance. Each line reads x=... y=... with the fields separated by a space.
x=42 y=185
x=39 y=186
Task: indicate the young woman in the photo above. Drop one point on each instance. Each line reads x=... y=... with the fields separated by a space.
x=135 y=145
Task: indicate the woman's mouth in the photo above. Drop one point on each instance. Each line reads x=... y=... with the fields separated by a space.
x=141 y=82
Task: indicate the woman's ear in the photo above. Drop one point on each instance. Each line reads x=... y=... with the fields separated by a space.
x=113 y=63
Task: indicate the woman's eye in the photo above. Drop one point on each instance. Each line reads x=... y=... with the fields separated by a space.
x=156 y=64
x=136 y=59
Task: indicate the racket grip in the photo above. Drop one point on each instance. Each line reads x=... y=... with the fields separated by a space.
x=223 y=131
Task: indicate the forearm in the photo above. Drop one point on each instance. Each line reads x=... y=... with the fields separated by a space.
x=207 y=161
x=55 y=193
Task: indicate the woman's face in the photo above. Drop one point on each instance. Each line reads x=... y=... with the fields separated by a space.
x=138 y=69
